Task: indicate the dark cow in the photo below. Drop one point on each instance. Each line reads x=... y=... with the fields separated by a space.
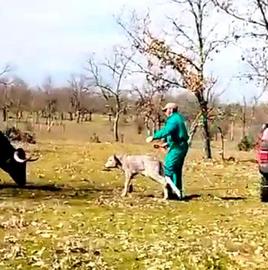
x=13 y=161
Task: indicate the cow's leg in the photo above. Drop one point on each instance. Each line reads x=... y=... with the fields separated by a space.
x=128 y=178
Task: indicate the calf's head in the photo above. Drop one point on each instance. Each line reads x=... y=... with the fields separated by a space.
x=112 y=162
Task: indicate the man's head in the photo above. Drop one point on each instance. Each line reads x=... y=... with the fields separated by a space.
x=170 y=108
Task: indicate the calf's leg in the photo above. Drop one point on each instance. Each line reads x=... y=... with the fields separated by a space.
x=161 y=180
x=128 y=178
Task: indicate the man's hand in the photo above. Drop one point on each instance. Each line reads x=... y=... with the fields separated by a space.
x=163 y=145
x=149 y=139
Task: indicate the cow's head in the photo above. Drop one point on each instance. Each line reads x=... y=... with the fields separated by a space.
x=16 y=166
x=113 y=162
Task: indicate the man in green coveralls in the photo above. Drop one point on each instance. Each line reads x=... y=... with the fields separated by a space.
x=175 y=135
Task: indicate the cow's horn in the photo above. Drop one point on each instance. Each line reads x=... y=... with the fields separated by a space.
x=30 y=159
x=17 y=158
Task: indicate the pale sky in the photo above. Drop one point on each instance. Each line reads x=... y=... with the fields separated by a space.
x=55 y=37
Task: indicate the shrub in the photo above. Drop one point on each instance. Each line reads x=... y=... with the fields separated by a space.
x=246 y=144
x=94 y=138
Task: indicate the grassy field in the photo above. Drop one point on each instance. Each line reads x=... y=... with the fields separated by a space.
x=71 y=215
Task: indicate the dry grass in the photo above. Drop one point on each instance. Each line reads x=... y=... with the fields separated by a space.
x=71 y=215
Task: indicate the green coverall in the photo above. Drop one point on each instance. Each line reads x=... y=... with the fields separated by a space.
x=175 y=135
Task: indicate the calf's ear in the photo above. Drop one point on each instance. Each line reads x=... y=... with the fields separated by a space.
x=116 y=158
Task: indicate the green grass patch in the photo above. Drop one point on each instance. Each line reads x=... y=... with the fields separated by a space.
x=71 y=215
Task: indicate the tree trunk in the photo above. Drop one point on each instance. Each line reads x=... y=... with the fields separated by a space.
x=115 y=126
x=4 y=114
x=195 y=124
x=222 y=144
x=37 y=117
x=18 y=115
x=232 y=131
x=244 y=124
x=49 y=123
x=207 y=146
x=78 y=116
x=148 y=129
x=110 y=117
x=206 y=133
x=122 y=138
x=154 y=128
x=244 y=120
x=71 y=116
x=158 y=121
x=192 y=132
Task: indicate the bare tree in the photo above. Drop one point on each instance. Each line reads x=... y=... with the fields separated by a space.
x=4 y=83
x=255 y=14
x=79 y=91
x=244 y=116
x=20 y=97
x=252 y=25
x=195 y=42
x=5 y=70
x=111 y=88
x=151 y=96
x=50 y=102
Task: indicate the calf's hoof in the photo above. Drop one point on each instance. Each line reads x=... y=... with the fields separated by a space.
x=165 y=197
x=130 y=189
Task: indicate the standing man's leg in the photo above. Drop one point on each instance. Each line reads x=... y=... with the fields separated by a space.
x=180 y=183
x=169 y=172
x=170 y=166
x=173 y=166
x=178 y=177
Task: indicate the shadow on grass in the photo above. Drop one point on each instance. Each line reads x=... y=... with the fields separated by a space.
x=88 y=192
x=49 y=191
x=231 y=198
x=187 y=198
x=227 y=198
x=251 y=160
x=48 y=187
x=191 y=197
